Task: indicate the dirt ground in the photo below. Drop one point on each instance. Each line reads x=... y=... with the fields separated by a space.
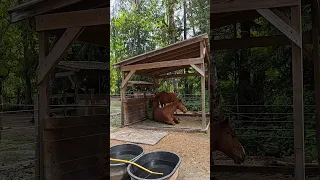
x=193 y=149
x=17 y=155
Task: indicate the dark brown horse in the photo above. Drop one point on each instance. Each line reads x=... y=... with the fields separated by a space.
x=224 y=139
x=166 y=114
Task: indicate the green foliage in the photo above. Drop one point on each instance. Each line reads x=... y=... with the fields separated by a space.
x=141 y=26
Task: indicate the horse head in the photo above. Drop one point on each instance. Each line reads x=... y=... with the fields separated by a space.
x=225 y=140
x=181 y=106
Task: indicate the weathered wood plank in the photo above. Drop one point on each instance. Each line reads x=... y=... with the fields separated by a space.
x=177 y=75
x=154 y=65
x=71 y=19
x=75 y=148
x=71 y=168
x=44 y=97
x=73 y=121
x=164 y=50
x=58 y=51
x=64 y=74
x=281 y=25
x=220 y=6
x=316 y=62
x=262 y=41
x=74 y=132
x=298 y=108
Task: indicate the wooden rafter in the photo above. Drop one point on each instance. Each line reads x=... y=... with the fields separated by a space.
x=281 y=25
x=64 y=20
x=154 y=65
x=58 y=51
x=170 y=48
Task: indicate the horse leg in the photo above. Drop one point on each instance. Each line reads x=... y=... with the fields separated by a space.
x=176 y=120
x=170 y=120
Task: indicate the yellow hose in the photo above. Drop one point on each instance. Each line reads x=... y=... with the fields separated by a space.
x=129 y=162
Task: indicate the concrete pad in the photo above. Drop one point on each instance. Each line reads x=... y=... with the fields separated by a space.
x=140 y=136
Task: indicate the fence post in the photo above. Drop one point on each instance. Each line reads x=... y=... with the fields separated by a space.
x=36 y=128
x=92 y=110
x=65 y=104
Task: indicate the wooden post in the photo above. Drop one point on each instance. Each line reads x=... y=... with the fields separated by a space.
x=65 y=104
x=203 y=90
x=92 y=108
x=37 y=132
x=76 y=94
x=315 y=57
x=86 y=104
x=298 y=109
x=123 y=97
x=44 y=97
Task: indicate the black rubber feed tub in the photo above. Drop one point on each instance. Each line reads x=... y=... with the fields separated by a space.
x=131 y=152
x=159 y=161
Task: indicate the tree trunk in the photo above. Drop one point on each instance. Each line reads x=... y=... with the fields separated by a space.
x=186 y=85
x=172 y=35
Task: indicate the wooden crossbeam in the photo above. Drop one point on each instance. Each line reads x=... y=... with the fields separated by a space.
x=125 y=81
x=64 y=20
x=173 y=63
x=63 y=74
x=58 y=51
x=177 y=75
x=262 y=41
x=220 y=6
x=199 y=70
x=281 y=25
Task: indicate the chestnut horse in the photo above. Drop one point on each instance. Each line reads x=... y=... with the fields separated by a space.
x=224 y=139
x=165 y=114
x=165 y=98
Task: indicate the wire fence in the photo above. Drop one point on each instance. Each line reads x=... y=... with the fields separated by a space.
x=18 y=137
x=269 y=129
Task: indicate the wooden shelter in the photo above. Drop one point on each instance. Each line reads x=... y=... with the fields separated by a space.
x=193 y=52
x=67 y=147
x=225 y=12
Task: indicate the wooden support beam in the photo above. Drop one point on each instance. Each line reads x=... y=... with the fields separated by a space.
x=220 y=6
x=44 y=98
x=64 y=74
x=91 y=17
x=199 y=70
x=57 y=52
x=316 y=66
x=281 y=15
x=177 y=75
x=262 y=41
x=298 y=108
x=281 y=25
x=123 y=98
x=125 y=81
x=173 y=63
x=72 y=82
